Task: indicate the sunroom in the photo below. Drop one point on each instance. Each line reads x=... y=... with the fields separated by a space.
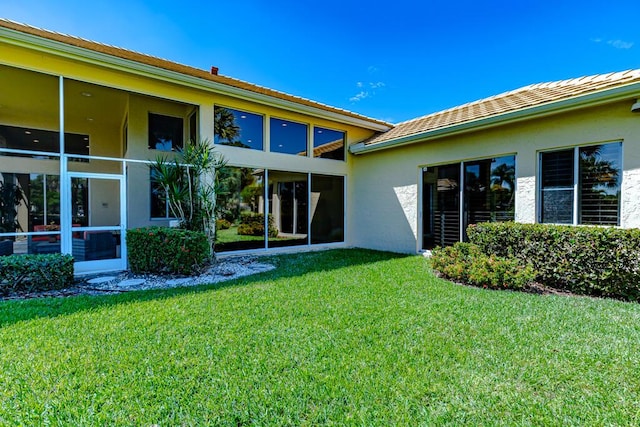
x=74 y=168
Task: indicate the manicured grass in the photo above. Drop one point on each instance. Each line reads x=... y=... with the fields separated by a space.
x=341 y=337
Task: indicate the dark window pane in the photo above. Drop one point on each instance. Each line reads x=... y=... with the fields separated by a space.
x=557 y=206
x=238 y=128
x=441 y=205
x=288 y=205
x=557 y=169
x=328 y=144
x=240 y=209
x=165 y=132
x=489 y=190
x=158 y=198
x=327 y=209
x=600 y=173
x=288 y=137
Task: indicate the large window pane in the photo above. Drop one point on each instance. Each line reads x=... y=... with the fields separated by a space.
x=166 y=133
x=556 y=170
x=240 y=209
x=441 y=205
x=238 y=128
x=288 y=137
x=327 y=209
x=328 y=143
x=29 y=203
x=600 y=170
x=489 y=190
x=288 y=205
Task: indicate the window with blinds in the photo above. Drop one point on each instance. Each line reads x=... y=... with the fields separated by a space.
x=597 y=182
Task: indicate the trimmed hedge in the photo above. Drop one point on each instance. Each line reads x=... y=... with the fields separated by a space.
x=598 y=261
x=252 y=224
x=164 y=250
x=35 y=272
x=466 y=263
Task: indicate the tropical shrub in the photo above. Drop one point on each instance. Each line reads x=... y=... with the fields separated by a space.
x=599 y=261
x=466 y=263
x=252 y=224
x=164 y=250
x=35 y=272
x=222 y=224
x=189 y=184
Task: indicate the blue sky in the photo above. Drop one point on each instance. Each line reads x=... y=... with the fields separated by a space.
x=389 y=60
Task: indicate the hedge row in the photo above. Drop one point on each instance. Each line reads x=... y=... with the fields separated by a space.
x=167 y=250
x=252 y=224
x=598 y=261
x=35 y=272
x=466 y=263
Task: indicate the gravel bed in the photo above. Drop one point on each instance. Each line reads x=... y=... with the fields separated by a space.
x=112 y=283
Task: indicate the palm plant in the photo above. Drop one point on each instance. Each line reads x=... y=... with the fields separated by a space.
x=189 y=184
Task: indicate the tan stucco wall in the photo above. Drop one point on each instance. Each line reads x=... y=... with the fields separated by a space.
x=383 y=186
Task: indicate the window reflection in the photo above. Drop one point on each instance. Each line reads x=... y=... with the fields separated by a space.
x=328 y=143
x=288 y=204
x=240 y=209
x=288 y=137
x=327 y=209
x=238 y=128
x=165 y=132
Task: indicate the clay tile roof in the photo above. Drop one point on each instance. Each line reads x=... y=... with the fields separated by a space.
x=519 y=99
x=176 y=67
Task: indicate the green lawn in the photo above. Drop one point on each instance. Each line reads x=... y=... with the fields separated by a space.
x=341 y=337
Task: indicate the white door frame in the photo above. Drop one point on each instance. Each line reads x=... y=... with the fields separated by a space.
x=83 y=267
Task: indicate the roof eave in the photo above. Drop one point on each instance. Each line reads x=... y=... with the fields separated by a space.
x=589 y=100
x=38 y=43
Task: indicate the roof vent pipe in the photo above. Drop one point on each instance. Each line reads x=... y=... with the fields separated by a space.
x=214 y=70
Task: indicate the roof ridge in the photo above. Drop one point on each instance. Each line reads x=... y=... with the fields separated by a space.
x=543 y=85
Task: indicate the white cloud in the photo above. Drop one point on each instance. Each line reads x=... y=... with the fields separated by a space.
x=620 y=44
x=359 y=84
x=376 y=85
x=372 y=70
x=359 y=96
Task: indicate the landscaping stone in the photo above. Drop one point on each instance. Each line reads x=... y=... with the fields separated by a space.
x=227 y=268
x=101 y=280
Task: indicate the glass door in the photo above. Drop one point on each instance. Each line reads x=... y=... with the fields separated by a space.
x=441 y=205
x=97 y=222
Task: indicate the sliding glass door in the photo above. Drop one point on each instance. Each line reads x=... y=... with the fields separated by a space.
x=487 y=191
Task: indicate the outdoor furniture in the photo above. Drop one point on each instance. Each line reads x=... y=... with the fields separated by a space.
x=6 y=247
x=94 y=245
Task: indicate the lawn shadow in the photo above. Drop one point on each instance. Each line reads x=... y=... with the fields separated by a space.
x=287 y=265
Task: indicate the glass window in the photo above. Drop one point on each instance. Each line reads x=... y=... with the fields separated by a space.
x=288 y=137
x=159 y=202
x=328 y=144
x=238 y=128
x=599 y=172
x=327 y=209
x=441 y=205
x=165 y=132
x=29 y=203
x=489 y=190
x=240 y=209
x=288 y=205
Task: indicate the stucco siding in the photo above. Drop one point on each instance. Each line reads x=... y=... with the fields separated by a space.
x=386 y=204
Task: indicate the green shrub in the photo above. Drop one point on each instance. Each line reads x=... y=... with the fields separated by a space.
x=252 y=224
x=35 y=272
x=222 y=224
x=598 y=261
x=164 y=250
x=466 y=263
